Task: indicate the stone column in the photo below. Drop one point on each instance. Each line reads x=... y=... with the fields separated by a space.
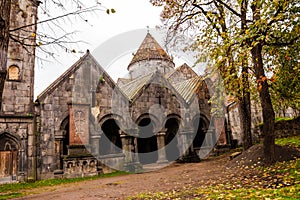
x=187 y=153
x=209 y=138
x=160 y=136
x=59 y=136
x=184 y=142
x=126 y=147
x=95 y=144
x=136 y=152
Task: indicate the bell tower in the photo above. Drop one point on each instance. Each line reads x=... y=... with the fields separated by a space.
x=19 y=84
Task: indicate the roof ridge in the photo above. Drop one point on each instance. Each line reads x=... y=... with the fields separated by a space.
x=63 y=75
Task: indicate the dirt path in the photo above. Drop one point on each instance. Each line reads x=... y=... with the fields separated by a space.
x=170 y=178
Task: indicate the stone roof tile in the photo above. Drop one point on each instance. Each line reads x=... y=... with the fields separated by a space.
x=149 y=49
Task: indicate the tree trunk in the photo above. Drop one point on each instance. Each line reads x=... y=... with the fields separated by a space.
x=245 y=112
x=4 y=38
x=266 y=104
x=245 y=102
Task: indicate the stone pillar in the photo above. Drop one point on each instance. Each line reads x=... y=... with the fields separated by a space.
x=187 y=153
x=129 y=137
x=209 y=144
x=160 y=136
x=209 y=138
x=127 y=147
x=135 y=149
x=31 y=152
x=185 y=141
x=59 y=136
x=95 y=144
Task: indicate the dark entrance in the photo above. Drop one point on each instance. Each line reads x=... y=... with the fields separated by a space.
x=147 y=142
x=65 y=125
x=200 y=131
x=171 y=139
x=110 y=142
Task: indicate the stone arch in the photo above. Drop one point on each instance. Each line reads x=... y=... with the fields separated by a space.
x=65 y=131
x=172 y=124
x=200 y=125
x=8 y=140
x=9 y=147
x=147 y=141
x=110 y=141
x=175 y=116
x=153 y=118
x=115 y=117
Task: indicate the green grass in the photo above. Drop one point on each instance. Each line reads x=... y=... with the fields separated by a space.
x=14 y=190
x=293 y=141
x=277 y=119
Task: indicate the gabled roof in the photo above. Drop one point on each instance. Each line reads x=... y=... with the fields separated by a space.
x=72 y=70
x=183 y=69
x=123 y=81
x=149 y=49
x=188 y=88
x=132 y=88
x=135 y=87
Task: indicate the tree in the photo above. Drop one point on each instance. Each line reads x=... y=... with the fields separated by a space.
x=285 y=87
x=4 y=38
x=237 y=35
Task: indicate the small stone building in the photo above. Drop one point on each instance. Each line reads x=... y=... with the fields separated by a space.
x=87 y=122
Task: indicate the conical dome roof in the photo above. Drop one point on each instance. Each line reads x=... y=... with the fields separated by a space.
x=149 y=49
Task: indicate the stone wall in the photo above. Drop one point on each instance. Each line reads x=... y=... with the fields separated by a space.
x=18 y=88
x=287 y=128
x=144 y=67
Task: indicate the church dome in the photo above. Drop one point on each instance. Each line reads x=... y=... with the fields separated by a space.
x=150 y=55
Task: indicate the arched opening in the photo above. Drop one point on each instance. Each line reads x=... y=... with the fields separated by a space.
x=65 y=126
x=147 y=142
x=8 y=156
x=200 y=131
x=13 y=73
x=172 y=151
x=110 y=142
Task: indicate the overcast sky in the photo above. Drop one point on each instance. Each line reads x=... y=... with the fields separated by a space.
x=130 y=15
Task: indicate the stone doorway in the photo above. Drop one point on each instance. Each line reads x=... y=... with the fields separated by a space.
x=147 y=142
x=8 y=157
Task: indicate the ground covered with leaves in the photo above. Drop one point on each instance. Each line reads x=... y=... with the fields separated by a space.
x=213 y=178
x=247 y=177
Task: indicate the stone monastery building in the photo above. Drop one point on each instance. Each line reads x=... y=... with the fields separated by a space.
x=84 y=123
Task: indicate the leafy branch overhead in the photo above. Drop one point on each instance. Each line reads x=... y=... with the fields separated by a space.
x=53 y=16
x=246 y=41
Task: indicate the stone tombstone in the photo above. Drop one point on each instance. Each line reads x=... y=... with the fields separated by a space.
x=79 y=124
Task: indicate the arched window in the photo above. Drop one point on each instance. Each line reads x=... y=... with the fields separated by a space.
x=13 y=73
